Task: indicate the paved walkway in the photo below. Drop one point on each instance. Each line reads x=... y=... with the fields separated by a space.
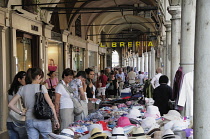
x=4 y=135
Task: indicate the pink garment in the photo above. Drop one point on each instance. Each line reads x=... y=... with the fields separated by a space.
x=54 y=82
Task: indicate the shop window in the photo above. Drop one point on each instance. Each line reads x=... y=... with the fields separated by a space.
x=78 y=29
x=31 y=9
x=77 y=58
x=26 y=44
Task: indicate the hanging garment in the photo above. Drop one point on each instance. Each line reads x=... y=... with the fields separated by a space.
x=186 y=93
x=148 y=89
x=177 y=83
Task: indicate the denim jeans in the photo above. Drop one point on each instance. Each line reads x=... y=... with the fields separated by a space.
x=16 y=131
x=35 y=127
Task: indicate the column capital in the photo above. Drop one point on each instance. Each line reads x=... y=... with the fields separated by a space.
x=168 y=26
x=175 y=11
x=3 y=28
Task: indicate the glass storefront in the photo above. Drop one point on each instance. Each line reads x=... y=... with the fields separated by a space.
x=55 y=57
x=77 y=58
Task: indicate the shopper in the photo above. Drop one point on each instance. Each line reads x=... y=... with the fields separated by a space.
x=162 y=94
x=34 y=126
x=52 y=82
x=102 y=84
x=120 y=79
x=112 y=88
x=90 y=90
x=79 y=89
x=141 y=77
x=15 y=129
x=131 y=76
x=63 y=102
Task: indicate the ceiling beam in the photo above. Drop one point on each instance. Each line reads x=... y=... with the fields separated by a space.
x=12 y=6
x=147 y=8
x=117 y=24
x=97 y=12
x=122 y=33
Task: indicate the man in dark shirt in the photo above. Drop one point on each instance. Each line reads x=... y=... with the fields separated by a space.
x=162 y=94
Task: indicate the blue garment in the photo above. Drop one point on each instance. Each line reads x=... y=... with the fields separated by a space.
x=34 y=127
x=16 y=131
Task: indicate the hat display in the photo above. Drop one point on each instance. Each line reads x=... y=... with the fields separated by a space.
x=149 y=101
x=128 y=129
x=172 y=115
x=104 y=125
x=123 y=121
x=152 y=111
x=118 y=133
x=96 y=132
x=134 y=121
x=65 y=134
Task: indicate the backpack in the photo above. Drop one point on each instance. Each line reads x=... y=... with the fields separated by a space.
x=41 y=108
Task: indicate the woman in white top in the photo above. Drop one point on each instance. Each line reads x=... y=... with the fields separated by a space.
x=63 y=103
x=34 y=126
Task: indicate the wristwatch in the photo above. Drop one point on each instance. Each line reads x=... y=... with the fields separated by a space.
x=20 y=113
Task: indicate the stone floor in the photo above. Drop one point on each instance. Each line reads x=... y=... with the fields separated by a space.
x=4 y=135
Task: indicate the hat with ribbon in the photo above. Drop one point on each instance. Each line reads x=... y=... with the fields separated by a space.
x=96 y=132
x=65 y=134
x=104 y=125
x=152 y=111
x=118 y=133
x=169 y=134
x=123 y=121
x=138 y=133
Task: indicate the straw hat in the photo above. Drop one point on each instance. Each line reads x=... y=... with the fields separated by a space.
x=96 y=132
x=138 y=133
x=118 y=133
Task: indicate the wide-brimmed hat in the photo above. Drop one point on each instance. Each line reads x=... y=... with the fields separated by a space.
x=118 y=133
x=138 y=133
x=65 y=134
x=104 y=125
x=148 y=122
x=172 y=115
x=169 y=134
x=149 y=101
x=123 y=121
x=152 y=111
x=134 y=113
x=96 y=132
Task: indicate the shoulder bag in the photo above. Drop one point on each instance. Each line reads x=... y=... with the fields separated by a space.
x=15 y=116
x=78 y=109
x=41 y=108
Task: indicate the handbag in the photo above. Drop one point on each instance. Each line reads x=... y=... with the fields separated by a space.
x=51 y=90
x=15 y=116
x=78 y=109
x=41 y=108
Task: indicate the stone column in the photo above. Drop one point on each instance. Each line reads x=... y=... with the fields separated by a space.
x=134 y=61
x=149 y=64
x=142 y=63
x=139 y=61
x=188 y=35
x=3 y=77
x=175 y=11
x=201 y=72
x=146 y=62
x=153 y=63
x=164 y=56
x=168 y=50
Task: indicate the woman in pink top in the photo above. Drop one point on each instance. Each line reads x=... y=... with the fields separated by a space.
x=52 y=82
